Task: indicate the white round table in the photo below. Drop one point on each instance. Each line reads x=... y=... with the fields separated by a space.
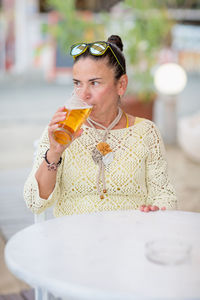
x=102 y=256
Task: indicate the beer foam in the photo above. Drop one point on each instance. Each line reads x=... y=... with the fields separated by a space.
x=69 y=107
x=75 y=102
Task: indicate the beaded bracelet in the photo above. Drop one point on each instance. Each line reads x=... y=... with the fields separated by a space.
x=52 y=166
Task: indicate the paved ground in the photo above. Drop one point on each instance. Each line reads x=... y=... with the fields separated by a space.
x=26 y=105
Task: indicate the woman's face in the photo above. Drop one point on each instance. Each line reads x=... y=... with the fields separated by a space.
x=97 y=84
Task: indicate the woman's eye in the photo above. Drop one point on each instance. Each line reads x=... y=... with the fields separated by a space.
x=95 y=82
x=76 y=83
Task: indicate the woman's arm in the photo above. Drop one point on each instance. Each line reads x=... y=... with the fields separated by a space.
x=42 y=187
x=45 y=176
x=32 y=193
x=160 y=190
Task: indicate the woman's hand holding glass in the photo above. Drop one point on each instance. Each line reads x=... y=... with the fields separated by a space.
x=68 y=120
x=59 y=116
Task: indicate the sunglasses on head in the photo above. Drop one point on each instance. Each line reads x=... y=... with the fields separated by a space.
x=96 y=49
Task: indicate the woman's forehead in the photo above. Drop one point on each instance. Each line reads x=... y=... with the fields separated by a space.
x=89 y=61
x=87 y=66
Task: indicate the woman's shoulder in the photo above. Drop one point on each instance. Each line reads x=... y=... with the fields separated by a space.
x=145 y=128
x=144 y=123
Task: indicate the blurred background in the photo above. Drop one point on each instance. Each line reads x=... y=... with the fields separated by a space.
x=35 y=79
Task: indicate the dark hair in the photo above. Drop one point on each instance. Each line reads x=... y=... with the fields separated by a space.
x=117 y=47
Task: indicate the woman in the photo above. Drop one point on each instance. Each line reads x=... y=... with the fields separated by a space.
x=116 y=162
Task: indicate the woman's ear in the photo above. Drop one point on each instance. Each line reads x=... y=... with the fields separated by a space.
x=122 y=84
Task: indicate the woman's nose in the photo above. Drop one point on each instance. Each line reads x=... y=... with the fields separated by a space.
x=84 y=93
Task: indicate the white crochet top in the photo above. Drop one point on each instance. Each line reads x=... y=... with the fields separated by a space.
x=137 y=175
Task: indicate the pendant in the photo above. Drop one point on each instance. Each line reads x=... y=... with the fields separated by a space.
x=103 y=148
x=102 y=152
x=108 y=158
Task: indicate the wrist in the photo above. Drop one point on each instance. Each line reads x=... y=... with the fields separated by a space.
x=53 y=156
x=52 y=160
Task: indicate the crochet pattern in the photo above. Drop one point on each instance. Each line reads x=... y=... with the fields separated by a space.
x=137 y=175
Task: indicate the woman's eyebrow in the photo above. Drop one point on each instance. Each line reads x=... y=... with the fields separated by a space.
x=92 y=79
x=96 y=78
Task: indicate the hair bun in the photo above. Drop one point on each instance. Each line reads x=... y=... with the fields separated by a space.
x=116 y=40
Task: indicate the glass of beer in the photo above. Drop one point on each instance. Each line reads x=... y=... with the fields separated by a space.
x=77 y=112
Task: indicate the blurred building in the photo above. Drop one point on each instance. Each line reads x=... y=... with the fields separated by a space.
x=22 y=41
x=24 y=45
x=19 y=34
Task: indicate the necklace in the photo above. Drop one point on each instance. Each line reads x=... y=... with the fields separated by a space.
x=102 y=154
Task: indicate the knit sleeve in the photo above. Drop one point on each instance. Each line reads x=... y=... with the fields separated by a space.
x=31 y=189
x=160 y=190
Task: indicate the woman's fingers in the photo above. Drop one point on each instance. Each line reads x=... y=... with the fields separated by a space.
x=61 y=108
x=58 y=117
x=142 y=207
x=52 y=128
x=154 y=208
x=147 y=208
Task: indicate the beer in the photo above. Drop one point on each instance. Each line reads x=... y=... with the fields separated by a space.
x=69 y=127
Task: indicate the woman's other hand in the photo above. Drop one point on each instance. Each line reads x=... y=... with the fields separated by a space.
x=148 y=208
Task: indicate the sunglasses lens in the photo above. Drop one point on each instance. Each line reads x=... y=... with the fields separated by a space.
x=78 y=49
x=98 y=48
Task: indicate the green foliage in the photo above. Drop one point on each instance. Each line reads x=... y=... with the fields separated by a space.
x=192 y=4
x=73 y=26
x=144 y=28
